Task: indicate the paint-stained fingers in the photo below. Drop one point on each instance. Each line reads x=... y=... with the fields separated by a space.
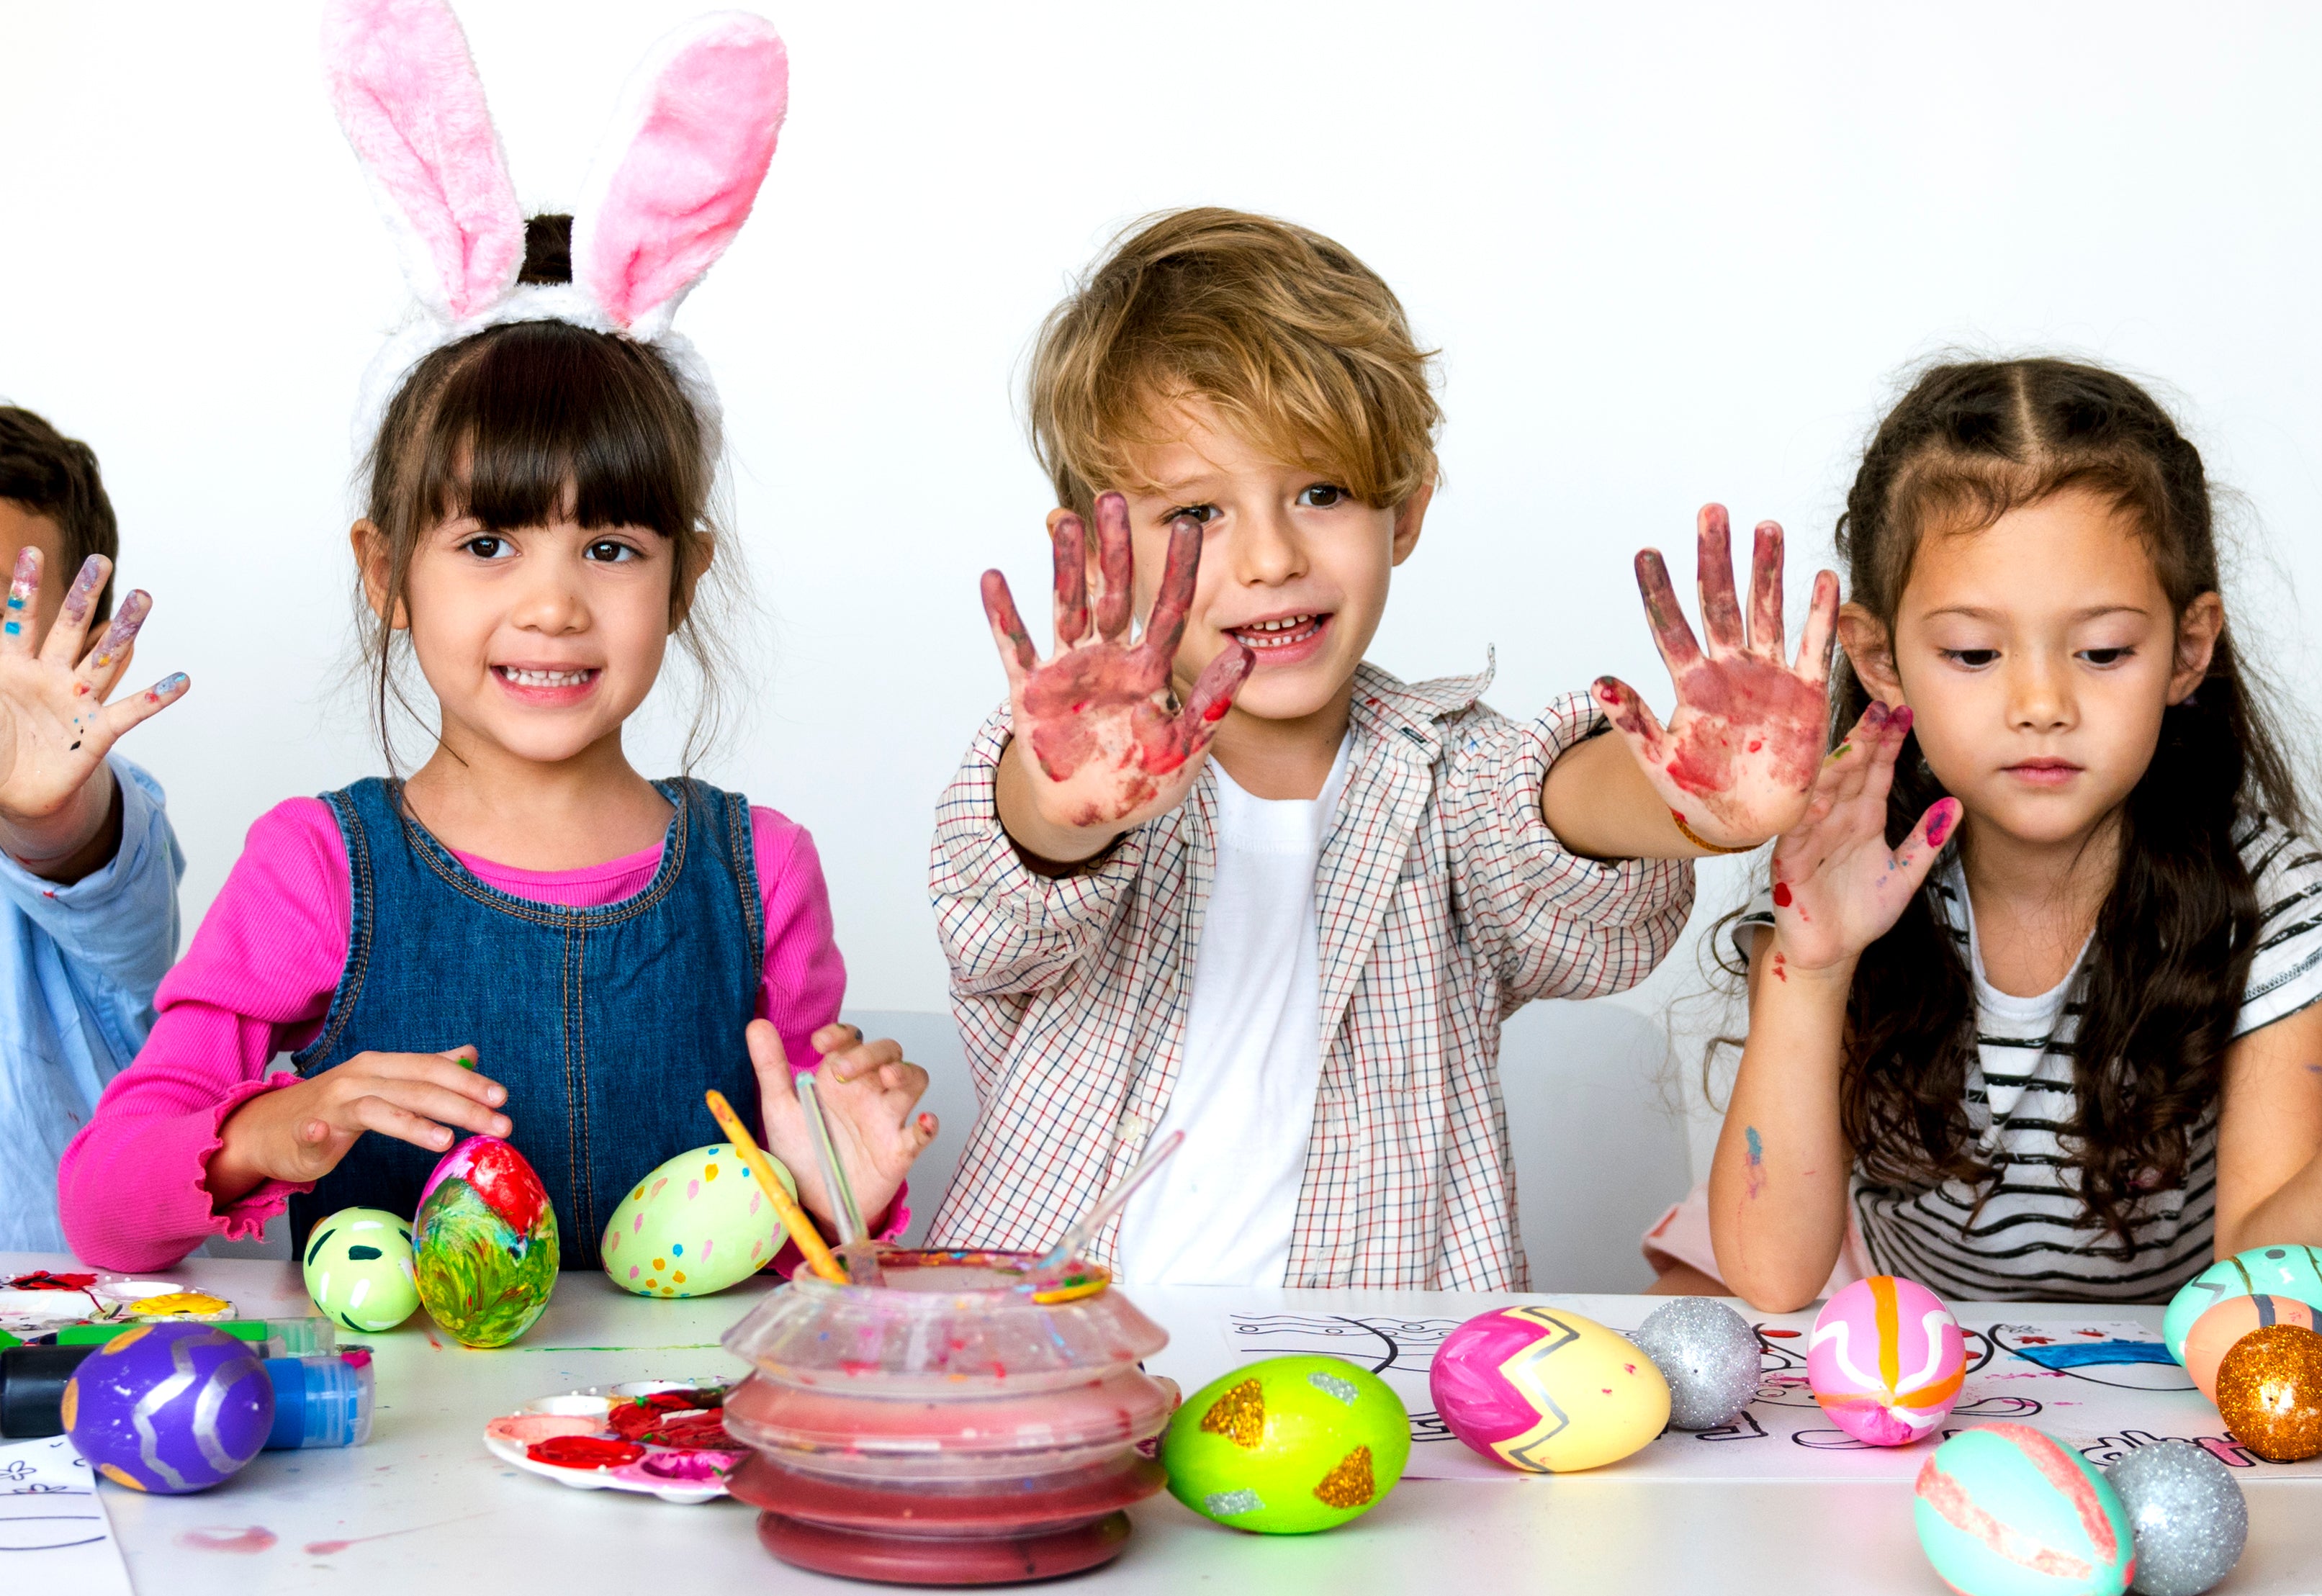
x=63 y=646
x=1766 y=593
x=1849 y=764
x=1920 y=850
x=1015 y=644
x=858 y=1059
x=102 y=666
x=1681 y=652
x=1821 y=630
x=1164 y=628
x=1116 y=569
x=1720 y=609
x=1213 y=693
x=24 y=600
x=1070 y=540
x=118 y=716
x=1632 y=718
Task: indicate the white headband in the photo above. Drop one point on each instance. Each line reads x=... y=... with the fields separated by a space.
x=670 y=185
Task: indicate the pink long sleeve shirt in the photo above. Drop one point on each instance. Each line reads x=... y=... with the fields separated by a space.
x=257 y=981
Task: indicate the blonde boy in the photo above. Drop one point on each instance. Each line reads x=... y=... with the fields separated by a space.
x=1232 y=878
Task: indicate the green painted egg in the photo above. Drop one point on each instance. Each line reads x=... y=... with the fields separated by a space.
x=485 y=1243
x=1288 y=1447
x=2262 y=1271
x=696 y=1225
x=359 y=1269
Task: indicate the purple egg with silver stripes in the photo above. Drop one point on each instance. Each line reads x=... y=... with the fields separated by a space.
x=170 y=1407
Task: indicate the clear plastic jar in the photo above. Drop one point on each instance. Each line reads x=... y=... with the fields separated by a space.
x=954 y=1425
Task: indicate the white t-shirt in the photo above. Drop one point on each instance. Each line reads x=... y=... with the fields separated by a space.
x=1220 y=1212
x=2025 y=1233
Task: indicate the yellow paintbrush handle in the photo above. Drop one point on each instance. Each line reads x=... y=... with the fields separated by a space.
x=794 y=1218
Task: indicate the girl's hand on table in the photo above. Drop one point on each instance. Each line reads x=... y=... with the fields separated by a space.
x=1099 y=747
x=1838 y=887
x=1736 y=763
x=55 y=726
x=868 y=1090
x=300 y=1133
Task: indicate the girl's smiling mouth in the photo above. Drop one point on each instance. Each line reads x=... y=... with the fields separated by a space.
x=1284 y=640
x=548 y=685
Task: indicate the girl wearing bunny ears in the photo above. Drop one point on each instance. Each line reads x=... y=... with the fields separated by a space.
x=526 y=938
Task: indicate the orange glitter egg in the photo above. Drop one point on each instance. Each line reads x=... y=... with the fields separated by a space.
x=2270 y=1393
x=2220 y=1327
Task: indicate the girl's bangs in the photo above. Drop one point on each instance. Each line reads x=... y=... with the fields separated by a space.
x=549 y=422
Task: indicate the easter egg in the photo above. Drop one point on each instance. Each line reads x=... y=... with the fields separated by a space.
x=1886 y=1359
x=696 y=1225
x=485 y=1243
x=1545 y=1390
x=360 y=1270
x=2270 y=1272
x=2213 y=1334
x=169 y=1407
x=2270 y=1393
x=1709 y=1355
x=2004 y=1511
x=1288 y=1445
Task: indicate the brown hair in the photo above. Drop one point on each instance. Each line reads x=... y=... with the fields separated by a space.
x=526 y=423
x=1300 y=347
x=51 y=475
x=2171 y=954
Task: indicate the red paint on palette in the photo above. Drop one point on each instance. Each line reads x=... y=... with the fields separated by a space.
x=583 y=1452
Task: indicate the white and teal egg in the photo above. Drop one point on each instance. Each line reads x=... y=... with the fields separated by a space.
x=697 y=1224
x=359 y=1269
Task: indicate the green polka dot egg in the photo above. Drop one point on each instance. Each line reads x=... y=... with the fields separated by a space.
x=1288 y=1447
x=696 y=1225
x=359 y=1269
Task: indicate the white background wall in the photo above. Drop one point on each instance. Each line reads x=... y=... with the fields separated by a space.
x=1670 y=254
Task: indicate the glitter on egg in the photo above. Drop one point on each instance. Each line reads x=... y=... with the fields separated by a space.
x=1344 y=1389
x=2188 y=1514
x=1240 y=1415
x=2270 y=1393
x=1349 y=1485
x=1225 y=1504
x=1710 y=1356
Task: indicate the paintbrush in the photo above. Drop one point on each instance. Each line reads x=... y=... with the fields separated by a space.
x=1085 y=1232
x=854 y=1243
x=793 y=1218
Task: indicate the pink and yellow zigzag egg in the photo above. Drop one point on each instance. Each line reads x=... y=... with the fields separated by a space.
x=1886 y=1359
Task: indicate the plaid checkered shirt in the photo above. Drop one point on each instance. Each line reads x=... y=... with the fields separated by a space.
x=1444 y=903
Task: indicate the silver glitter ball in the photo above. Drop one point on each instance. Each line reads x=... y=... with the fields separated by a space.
x=1708 y=1354
x=2186 y=1510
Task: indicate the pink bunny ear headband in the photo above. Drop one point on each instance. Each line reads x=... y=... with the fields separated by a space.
x=671 y=186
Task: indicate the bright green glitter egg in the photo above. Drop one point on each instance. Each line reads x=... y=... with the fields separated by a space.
x=1288 y=1447
x=359 y=1269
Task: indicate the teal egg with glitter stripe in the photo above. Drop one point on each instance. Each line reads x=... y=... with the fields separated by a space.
x=2262 y=1271
x=170 y=1407
x=2007 y=1511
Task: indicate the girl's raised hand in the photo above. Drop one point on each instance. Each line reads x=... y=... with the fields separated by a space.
x=867 y=1090
x=1105 y=748
x=55 y=726
x=1838 y=887
x=300 y=1133
x=1736 y=760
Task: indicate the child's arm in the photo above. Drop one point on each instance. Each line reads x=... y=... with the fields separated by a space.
x=59 y=815
x=1736 y=761
x=1095 y=752
x=2270 y=1137
x=1778 y=1187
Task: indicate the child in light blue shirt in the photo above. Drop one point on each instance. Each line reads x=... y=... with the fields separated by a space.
x=88 y=865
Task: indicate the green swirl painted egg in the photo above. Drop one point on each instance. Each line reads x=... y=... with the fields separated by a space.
x=1288 y=1445
x=360 y=1269
x=697 y=1224
x=486 y=1235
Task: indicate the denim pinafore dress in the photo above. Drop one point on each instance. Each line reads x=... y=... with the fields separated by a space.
x=606 y=1024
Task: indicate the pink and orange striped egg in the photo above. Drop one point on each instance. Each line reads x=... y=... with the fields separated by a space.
x=1885 y=1361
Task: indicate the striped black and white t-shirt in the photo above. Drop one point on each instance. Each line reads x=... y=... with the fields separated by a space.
x=2032 y=1239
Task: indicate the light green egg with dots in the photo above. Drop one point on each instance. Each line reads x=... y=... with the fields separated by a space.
x=697 y=1224
x=359 y=1269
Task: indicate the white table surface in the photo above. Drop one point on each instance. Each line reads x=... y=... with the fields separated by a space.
x=424 y=1504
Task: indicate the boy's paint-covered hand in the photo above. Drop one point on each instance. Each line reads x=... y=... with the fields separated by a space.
x=1736 y=761
x=868 y=1091
x=300 y=1133
x=1838 y=887
x=1102 y=749
x=55 y=726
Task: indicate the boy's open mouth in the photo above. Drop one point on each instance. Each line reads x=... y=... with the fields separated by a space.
x=1283 y=633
